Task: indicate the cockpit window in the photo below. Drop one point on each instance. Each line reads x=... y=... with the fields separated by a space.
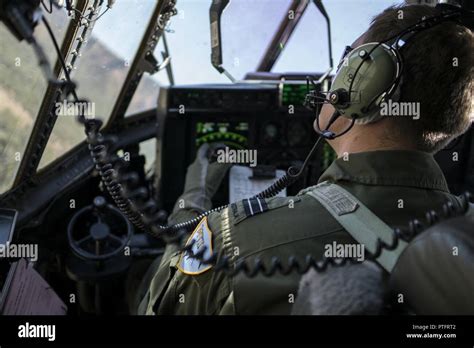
x=102 y=69
x=307 y=49
x=146 y=95
x=247 y=29
x=22 y=87
x=189 y=42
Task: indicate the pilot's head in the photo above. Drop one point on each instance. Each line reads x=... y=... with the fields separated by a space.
x=437 y=77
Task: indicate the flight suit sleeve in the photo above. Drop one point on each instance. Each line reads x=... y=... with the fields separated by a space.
x=178 y=215
x=177 y=289
x=183 y=286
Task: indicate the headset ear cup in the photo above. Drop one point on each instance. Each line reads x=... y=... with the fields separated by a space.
x=368 y=72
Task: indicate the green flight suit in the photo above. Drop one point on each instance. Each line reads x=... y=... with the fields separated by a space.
x=395 y=185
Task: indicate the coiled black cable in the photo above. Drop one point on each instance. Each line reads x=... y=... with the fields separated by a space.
x=98 y=149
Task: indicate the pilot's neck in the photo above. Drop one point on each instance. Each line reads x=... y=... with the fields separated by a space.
x=364 y=138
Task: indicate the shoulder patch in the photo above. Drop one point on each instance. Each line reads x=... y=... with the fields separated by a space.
x=337 y=199
x=254 y=206
x=202 y=237
x=246 y=208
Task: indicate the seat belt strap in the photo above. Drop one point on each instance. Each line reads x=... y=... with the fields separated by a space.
x=363 y=225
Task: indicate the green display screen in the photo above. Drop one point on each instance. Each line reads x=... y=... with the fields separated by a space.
x=232 y=134
x=293 y=94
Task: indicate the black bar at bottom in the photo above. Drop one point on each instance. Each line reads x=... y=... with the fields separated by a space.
x=411 y=330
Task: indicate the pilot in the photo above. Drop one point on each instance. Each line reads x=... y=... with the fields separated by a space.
x=387 y=164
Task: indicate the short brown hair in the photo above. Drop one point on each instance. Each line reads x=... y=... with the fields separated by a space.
x=431 y=77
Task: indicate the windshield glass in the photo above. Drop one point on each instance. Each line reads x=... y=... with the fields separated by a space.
x=102 y=69
x=22 y=88
x=307 y=49
x=189 y=43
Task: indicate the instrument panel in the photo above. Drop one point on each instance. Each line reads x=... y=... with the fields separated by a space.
x=266 y=117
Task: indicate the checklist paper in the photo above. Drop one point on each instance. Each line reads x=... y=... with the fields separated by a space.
x=241 y=186
x=30 y=294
